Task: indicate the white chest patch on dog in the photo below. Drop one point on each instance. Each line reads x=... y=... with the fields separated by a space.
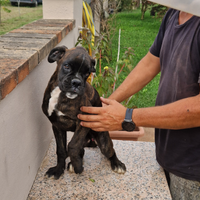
x=53 y=100
x=71 y=96
x=59 y=113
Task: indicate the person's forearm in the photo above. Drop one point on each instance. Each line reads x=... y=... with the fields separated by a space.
x=181 y=114
x=140 y=76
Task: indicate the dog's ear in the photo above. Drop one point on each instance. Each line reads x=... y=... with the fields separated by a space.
x=57 y=53
x=93 y=62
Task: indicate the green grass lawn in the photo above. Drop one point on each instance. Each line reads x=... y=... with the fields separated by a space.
x=18 y=17
x=138 y=34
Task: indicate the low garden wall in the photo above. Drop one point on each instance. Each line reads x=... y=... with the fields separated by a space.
x=25 y=132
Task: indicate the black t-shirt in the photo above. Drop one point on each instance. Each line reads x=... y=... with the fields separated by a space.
x=178 y=46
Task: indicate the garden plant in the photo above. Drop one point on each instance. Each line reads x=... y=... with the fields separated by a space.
x=136 y=38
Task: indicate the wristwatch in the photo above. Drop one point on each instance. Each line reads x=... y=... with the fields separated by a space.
x=128 y=124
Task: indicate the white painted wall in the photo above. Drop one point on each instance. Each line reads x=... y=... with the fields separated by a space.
x=64 y=9
x=190 y=6
x=25 y=132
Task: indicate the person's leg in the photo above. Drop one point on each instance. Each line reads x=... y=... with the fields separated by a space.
x=183 y=189
x=167 y=177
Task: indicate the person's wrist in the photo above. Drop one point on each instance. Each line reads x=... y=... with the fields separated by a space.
x=128 y=124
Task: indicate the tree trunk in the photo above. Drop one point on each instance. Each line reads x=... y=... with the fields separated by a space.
x=142 y=12
x=143 y=9
x=137 y=3
x=0 y=13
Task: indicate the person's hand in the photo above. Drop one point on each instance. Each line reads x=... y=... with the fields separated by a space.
x=106 y=118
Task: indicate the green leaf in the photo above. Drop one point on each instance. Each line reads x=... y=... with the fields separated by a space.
x=107 y=59
x=92 y=180
x=97 y=55
x=6 y=10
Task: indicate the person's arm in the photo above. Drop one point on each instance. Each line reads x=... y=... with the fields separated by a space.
x=147 y=68
x=181 y=114
x=140 y=76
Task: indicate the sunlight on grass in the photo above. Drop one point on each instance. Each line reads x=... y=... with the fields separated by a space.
x=138 y=34
x=18 y=17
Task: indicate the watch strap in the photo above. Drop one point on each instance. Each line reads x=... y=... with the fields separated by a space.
x=129 y=112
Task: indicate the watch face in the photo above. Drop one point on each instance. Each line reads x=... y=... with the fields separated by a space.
x=128 y=126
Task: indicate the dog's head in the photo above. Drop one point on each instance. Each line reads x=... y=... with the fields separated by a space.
x=73 y=66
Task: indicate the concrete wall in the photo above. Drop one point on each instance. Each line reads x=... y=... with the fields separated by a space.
x=64 y=9
x=25 y=132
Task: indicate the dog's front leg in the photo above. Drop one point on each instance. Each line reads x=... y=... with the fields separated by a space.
x=61 y=151
x=76 y=149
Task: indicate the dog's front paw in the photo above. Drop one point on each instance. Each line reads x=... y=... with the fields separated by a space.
x=116 y=165
x=55 y=172
x=119 y=167
x=70 y=168
x=77 y=170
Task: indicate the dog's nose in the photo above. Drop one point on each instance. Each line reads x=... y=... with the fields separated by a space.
x=76 y=83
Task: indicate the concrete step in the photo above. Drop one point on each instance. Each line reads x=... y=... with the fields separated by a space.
x=144 y=178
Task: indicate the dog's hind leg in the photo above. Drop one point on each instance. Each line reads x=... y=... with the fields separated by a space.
x=61 y=151
x=106 y=146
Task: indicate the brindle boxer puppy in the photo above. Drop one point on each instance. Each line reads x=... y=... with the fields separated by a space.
x=66 y=92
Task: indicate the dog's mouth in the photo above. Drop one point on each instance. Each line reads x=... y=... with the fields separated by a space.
x=72 y=88
x=73 y=92
x=71 y=95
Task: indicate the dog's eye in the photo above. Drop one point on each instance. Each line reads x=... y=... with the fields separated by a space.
x=66 y=67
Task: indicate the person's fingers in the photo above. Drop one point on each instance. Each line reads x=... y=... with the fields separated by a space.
x=91 y=118
x=105 y=118
x=106 y=101
x=97 y=126
x=104 y=105
x=91 y=110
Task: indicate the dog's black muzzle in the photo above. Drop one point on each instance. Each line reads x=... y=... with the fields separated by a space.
x=77 y=86
x=76 y=83
x=72 y=86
